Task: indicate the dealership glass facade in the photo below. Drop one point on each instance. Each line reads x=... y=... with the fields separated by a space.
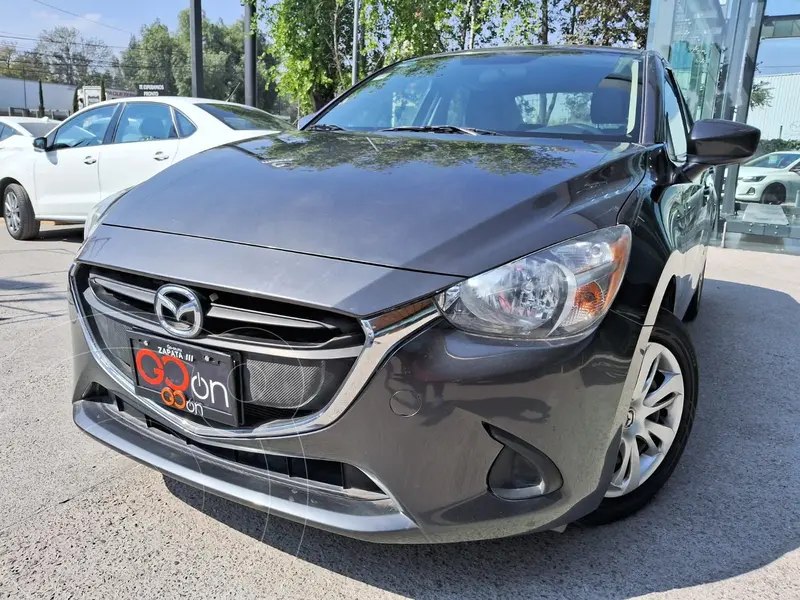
x=712 y=46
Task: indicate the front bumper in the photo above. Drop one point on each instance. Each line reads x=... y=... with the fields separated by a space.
x=431 y=466
x=336 y=513
x=750 y=192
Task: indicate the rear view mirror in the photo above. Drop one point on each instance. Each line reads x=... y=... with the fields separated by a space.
x=40 y=143
x=718 y=142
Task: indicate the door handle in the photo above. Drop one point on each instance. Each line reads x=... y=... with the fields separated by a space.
x=160 y=155
x=90 y=160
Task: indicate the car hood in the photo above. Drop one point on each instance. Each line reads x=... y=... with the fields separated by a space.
x=440 y=204
x=756 y=171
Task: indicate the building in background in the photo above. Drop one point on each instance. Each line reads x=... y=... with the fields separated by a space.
x=779 y=117
x=20 y=97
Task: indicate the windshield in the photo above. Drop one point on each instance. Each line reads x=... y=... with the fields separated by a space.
x=38 y=129
x=569 y=94
x=774 y=161
x=243 y=117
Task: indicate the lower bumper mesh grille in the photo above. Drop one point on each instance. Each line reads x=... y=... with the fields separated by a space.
x=289 y=383
x=113 y=339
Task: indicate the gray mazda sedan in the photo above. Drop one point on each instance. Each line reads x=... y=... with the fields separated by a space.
x=450 y=307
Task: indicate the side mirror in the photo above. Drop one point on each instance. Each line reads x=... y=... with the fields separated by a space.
x=40 y=143
x=718 y=142
x=303 y=121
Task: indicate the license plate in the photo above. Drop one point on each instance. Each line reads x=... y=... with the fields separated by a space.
x=187 y=378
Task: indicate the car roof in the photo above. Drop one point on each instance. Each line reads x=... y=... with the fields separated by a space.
x=26 y=120
x=574 y=49
x=172 y=100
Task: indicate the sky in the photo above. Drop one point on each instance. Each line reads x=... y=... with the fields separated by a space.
x=114 y=21
x=103 y=18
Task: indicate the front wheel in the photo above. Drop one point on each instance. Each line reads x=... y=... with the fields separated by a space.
x=775 y=193
x=18 y=213
x=658 y=422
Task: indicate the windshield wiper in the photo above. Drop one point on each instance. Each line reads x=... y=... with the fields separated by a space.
x=325 y=127
x=442 y=129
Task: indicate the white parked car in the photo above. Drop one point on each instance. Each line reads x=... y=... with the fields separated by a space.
x=770 y=179
x=17 y=133
x=112 y=146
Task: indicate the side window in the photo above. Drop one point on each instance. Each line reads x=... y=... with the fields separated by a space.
x=6 y=132
x=86 y=129
x=185 y=126
x=677 y=138
x=144 y=122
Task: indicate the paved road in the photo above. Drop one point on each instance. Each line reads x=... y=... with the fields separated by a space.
x=79 y=521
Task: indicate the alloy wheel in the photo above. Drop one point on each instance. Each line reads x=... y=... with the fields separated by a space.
x=11 y=212
x=652 y=422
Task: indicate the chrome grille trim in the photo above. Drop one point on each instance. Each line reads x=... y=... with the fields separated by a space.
x=383 y=333
x=124 y=289
x=216 y=310
x=148 y=322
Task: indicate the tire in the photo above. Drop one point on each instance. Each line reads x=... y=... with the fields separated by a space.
x=694 y=306
x=775 y=193
x=18 y=213
x=670 y=333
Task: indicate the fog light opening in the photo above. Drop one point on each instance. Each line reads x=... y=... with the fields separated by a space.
x=520 y=471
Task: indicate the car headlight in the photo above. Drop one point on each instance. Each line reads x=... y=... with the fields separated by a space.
x=561 y=291
x=754 y=178
x=99 y=211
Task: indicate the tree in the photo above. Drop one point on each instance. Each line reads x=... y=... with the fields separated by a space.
x=621 y=23
x=161 y=56
x=41 y=99
x=223 y=58
x=102 y=89
x=67 y=57
x=7 y=54
x=75 y=106
x=776 y=145
x=114 y=74
x=27 y=64
x=152 y=58
x=760 y=94
x=311 y=40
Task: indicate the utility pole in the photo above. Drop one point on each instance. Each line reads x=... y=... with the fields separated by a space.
x=196 y=46
x=356 y=23
x=24 y=88
x=249 y=54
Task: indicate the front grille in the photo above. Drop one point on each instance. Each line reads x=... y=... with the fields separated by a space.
x=341 y=476
x=274 y=385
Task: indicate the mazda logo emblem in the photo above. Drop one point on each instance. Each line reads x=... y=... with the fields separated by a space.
x=178 y=311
